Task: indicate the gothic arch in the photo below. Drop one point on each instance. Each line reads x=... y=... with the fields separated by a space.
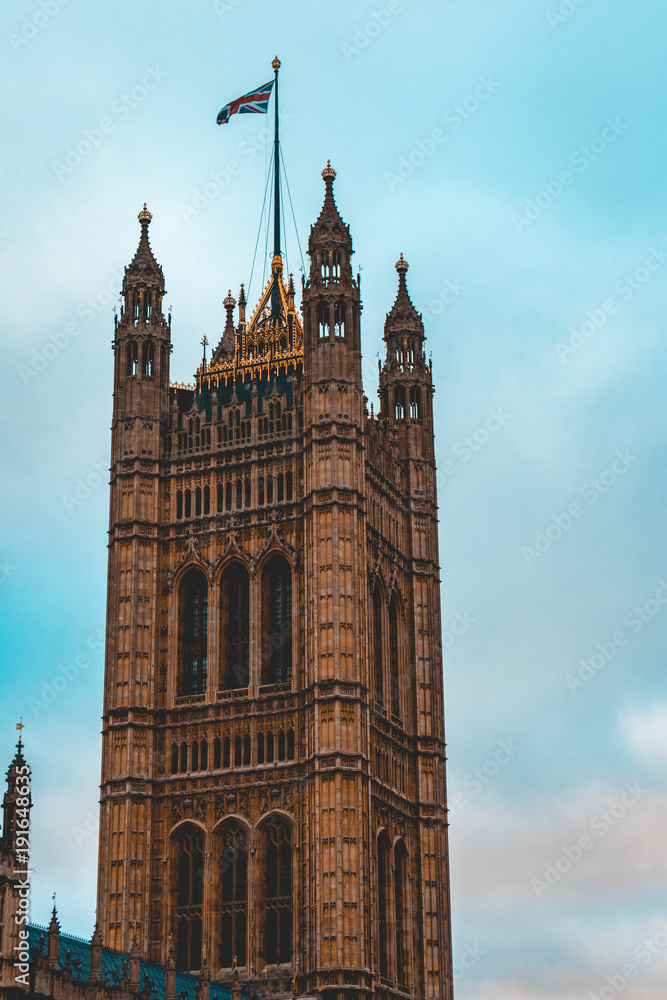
x=187 y=893
x=275 y=854
x=193 y=611
x=232 y=852
x=234 y=644
x=276 y=587
x=384 y=854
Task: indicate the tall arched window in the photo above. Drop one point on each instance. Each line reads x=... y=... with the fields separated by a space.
x=189 y=891
x=148 y=359
x=400 y=871
x=276 y=622
x=378 y=634
x=234 y=627
x=192 y=633
x=322 y=320
x=384 y=855
x=339 y=319
x=233 y=869
x=277 y=893
x=415 y=403
x=399 y=402
x=132 y=366
x=393 y=656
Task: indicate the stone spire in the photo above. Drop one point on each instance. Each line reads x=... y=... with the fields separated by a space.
x=227 y=345
x=144 y=269
x=403 y=318
x=329 y=231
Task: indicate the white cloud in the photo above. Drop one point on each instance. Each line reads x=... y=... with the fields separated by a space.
x=646 y=733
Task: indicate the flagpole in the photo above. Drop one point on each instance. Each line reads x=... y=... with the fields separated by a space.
x=276 y=189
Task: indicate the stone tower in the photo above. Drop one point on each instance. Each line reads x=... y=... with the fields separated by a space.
x=273 y=801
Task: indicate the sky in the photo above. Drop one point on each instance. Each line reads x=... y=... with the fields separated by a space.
x=513 y=151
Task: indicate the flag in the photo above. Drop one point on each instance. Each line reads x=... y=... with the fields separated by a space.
x=254 y=103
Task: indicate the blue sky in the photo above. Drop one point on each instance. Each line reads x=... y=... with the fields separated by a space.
x=514 y=152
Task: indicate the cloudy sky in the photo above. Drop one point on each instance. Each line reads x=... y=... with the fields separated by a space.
x=513 y=150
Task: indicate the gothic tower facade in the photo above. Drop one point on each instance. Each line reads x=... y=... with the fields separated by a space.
x=273 y=776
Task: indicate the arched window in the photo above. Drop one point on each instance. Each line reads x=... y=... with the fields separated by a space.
x=207 y=499
x=260 y=491
x=184 y=756
x=132 y=366
x=179 y=504
x=393 y=656
x=217 y=754
x=198 y=502
x=277 y=843
x=399 y=402
x=226 y=752
x=280 y=487
x=269 y=748
x=415 y=403
x=233 y=868
x=228 y=495
x=378 y=634
x=269 y=489
x=188 y=503
x=384 y=855
x=148 y=359
x=237 y=751
x=290 y=744
x=281 y=745
x=277 y=622
x=246 y=750
x=260 y=748
x=247 y=492
x=322 y=320
x=194 y=756
x=174 y=758
x=239 y=494
x=203 y=756
x=148 y=309
x=339 y=320
x=189 y=891
x=192 y=633
x=400 y=871
x=288 y=485
x=221 y=498
x=234 y=627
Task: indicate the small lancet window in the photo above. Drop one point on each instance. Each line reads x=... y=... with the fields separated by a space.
x=415 y=401
x=132 y=367
x=148 y=305
x=339 y=320
x=322 y=320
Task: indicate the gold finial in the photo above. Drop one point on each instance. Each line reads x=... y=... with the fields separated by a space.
x=144 y=215
x=19 y=725
x=229 y=301
x=277 y=264
x=401 y=265
x=276 y=64
x=328 y=173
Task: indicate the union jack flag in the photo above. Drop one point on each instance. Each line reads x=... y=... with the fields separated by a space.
x=254 y=103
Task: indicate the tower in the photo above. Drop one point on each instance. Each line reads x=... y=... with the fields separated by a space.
x=273 y=788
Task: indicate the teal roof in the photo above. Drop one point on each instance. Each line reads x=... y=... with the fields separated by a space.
x=112 y=964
